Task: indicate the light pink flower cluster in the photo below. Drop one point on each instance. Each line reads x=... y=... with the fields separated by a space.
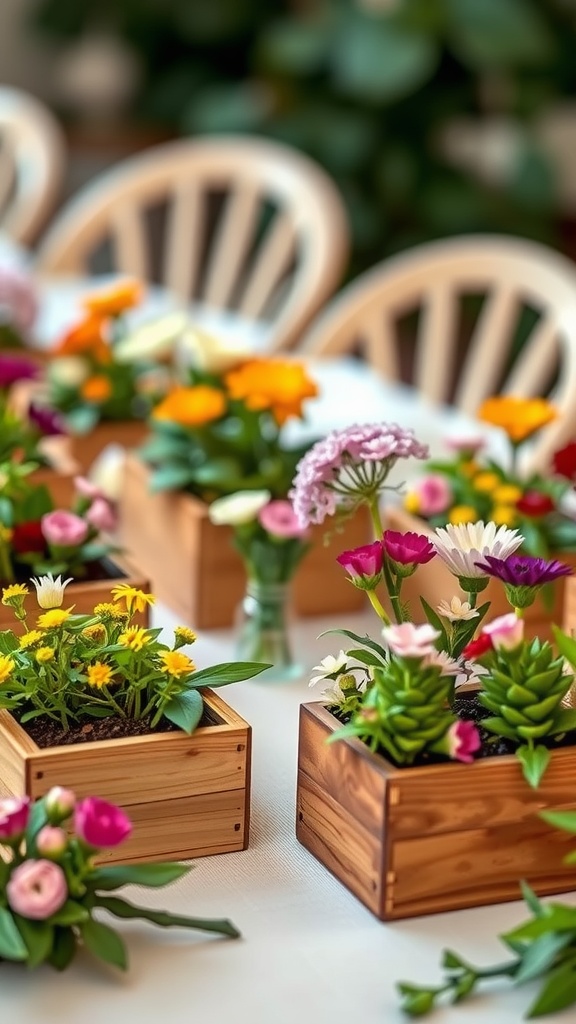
x=325 y=477
x=18 y=299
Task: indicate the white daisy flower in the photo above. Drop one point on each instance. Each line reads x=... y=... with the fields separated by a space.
x=50 y=591
x=456 y=610
x=329 y=667
x=461 y=546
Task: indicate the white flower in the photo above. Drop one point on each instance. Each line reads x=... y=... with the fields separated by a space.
x=69 y=371
x=448 y=666
x=333 y=694
x=50 y=591
x=460 y=547
x=237 y=509
x=457 y=610
x=153 y=340
x=328 y=667
x=107 y=471
x=209 y=354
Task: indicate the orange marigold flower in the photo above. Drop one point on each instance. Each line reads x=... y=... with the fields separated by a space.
x=519 y=417
x=115 y=299
x=88 y=337
x=278 y=385
x=96 y=389
x=192 y=407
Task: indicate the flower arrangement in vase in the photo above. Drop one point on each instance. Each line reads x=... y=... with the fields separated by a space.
x=400 y=696
x=50 y=887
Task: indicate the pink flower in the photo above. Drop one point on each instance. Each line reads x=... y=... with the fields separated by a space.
x=408 y=548
x=410 y=641
x=14 y=814
x=463 y=740
x=101 y=515
x=99 y=823
x=59 y=803
x=87 y=489
x=51 y=841
x=37 y=889
x=466 y=445
x=364 y=564
x=279 y=519
x=434 y=495
x=506 y=632
x=64 y=529
x=18 y=301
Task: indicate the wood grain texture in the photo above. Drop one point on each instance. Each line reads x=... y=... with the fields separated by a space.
x=191 y=791
x=422 y=840
x=196 y=571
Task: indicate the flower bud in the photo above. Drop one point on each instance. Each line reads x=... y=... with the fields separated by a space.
x=59 y=803
x=51 y=841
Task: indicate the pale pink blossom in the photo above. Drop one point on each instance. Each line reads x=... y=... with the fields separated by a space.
x=102 y=516
x=18 y=299
x=506 y=632
x=87 y=489
x=59 y=803
x=468 y=445
x=37 y=889
x=410 y=641
x=51 y=841
x=64 y=529
x=279 y=519
x=434 y=495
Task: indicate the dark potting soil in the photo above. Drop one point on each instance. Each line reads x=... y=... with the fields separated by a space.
x=48 y=733
x=102 y=569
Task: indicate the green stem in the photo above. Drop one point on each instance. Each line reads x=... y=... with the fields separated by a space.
x=472 y=598
x=377 y=606
x=375 y=516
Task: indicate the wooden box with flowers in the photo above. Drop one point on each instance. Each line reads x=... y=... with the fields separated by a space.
x=97 y=701
x=422 y=771
x=222 y=438
x=470 y=487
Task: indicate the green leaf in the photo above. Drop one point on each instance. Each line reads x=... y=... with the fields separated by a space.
x=364 y=641
x=557 y=993
x=104 y=943
x=227 y=672
x=150 y=875
x=566 y=645
x=534 y=761
x=377 y=61
x=71 y=913
x=365 y=657
x=541 y=955
x=63 y=948
x=124 y=909
x=38 y=936
x=170 y=478
x=12 y=946
x=557 y=918
x=499 y=33
x=565 y=820
x=531 y=899
x=185 y=710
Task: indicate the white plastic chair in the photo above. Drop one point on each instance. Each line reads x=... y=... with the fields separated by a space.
x=250 y=225
x=433 y=279
x=32 y=160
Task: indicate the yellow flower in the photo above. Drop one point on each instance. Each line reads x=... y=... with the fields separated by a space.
x=486 y=481
x=412 y=503
x=183 y=635
x=53 y=618
x=107 y=610
x=176 y=664
x=31 y=638
x=504 y=515
x=99 y=674
x=6 y=667
x=469 y=468
x=192 y=407
x=44 y=654
x=95 y=632
x=14 y=594
x=519 y=417
x=275 y=384
x=5 y=533
x=507 y=494
x=462 y=514
x=136 y=600
x=134 y=637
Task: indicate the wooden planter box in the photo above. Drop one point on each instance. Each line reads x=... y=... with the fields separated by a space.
x=434 y=581
x=60 y=486
x=195 y=570
x=84 y=594
x=425 y=840
x=85 y=448
x=187 y=796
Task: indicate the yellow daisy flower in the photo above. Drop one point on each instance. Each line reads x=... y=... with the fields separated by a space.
x=134 y=637
x=462 y=514
x=44 y=654
x=6 y=667
x=136 y=600
x=176 y=664
x=53 y=618
x=107 y=610
x=31 y=638
x=504 y=515
x=486 y=481
x=95 y=632
x=412 y=503
x=507 y=494
x=14 y=594
x=99 y=674
x=183 y=635
x=469 y=468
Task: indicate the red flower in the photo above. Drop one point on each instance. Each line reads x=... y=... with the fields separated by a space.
x=476 y=648
x=28 y=537
x=535 y=504
x=564 y=461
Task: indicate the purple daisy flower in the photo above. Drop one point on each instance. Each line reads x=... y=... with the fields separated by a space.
x=524 y=570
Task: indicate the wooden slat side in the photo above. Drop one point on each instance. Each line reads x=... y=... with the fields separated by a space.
x=15 y=750
x=336 y=838
x=347 y=772
x=466 y=869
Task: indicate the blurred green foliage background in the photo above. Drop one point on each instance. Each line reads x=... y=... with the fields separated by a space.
x=381 y=92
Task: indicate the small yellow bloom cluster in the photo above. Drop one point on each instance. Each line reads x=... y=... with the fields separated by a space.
x=44 y=654
x=53 y=618
x=183 y=635
x=31 y=638
x=134 y=637
x=176 y=664
x=96 y=632
x=107 y=610
x=99 y=674
x=14 y=594
x=6 y=667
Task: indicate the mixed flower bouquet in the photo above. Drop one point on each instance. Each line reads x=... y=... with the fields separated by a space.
x=18 y=307
x=35 y=535
x=400 y=696
x=25 y=434
x=51 y=889
x=470 y=486
x=72 y=669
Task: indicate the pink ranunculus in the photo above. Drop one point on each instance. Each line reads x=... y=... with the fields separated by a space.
x=364 y=564
x=59 y=803
x=408 y=548
x=51 y=841
x=410 y=641
x=37 y=889
x=463 y=740
x=64 y=529
x=14 y=814
x=434 y=495
x=87 y=489
x=506 y=632
x=279 y=519
x=102 y=516
x=100 y=824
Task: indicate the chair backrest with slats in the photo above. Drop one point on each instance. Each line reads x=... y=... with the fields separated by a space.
x=513 y=282
x=32 y=160
x=233 y=223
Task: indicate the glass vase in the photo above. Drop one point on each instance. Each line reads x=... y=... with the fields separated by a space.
x=263 y=630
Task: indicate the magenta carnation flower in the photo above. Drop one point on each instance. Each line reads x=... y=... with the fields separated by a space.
x=364 y=564
x=463 y=740
x=15 y=368
x=408 y=548
x=326 y=479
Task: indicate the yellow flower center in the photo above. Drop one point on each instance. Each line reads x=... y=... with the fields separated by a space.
x=44 y=654
x=134 y=637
